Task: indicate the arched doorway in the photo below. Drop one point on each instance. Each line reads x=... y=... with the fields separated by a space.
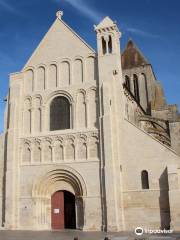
x=63 y=213
x=72 y=187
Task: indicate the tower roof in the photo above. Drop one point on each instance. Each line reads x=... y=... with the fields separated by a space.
x=106 y=22
x=132 y=56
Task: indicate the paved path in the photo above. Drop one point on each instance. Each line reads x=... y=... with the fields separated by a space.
x=70 y=235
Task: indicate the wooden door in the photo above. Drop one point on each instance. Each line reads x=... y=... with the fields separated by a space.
x=57 y=210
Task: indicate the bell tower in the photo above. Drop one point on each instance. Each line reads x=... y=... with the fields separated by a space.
x=111 y=121
x=108 y=45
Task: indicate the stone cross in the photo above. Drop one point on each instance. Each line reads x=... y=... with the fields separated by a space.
x=59 y=14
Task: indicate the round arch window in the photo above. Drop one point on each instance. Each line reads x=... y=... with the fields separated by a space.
x=59 y=114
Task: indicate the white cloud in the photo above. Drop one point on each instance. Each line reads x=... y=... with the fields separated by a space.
x=84 y=8
x=141 y=33
x=8 y=7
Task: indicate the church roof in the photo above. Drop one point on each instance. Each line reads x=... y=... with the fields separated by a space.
x=132 y=57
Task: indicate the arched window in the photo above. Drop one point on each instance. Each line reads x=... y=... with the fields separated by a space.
x=136 y=88
x=127 y=82
x=59 y=114
x=110 y=45
x=144 y=79
x=104 y=46
x=145 y=179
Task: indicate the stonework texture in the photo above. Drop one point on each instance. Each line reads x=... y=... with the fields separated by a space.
x=95 y=124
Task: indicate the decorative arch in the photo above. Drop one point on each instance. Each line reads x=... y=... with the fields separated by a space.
x=82 y=147
x=70 y=148
x=53 y=76
x=78 y=69
x=48 y=101
x=37 y=151
x=58 y=147
x=59 y=93
x=47 y=150
x=29 y=80
x=37 y=96
x=59 y=114
x=41 y=78
x=26 y=152
x=65 y=73
x=81 y=113
x=61 y=179
x=92 y=107
x=37 y=113
x=91 y=68
x=46 y=185
x=93 y=145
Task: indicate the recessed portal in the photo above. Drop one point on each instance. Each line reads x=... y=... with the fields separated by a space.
x=63 y=214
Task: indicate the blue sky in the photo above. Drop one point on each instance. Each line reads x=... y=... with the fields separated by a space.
x=152 y=24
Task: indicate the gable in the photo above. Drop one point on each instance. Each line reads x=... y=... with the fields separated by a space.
x=132 y=57
x=59 y=42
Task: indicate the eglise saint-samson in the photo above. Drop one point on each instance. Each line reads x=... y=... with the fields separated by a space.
x=89 y=142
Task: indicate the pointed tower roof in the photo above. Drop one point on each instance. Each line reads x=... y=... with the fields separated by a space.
x=106 y=22
x=132 y=56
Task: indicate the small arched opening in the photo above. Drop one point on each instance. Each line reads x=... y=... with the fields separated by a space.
x=110 y=45
x=104 y=49
x=145 y=179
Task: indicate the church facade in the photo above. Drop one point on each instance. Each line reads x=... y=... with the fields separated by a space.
x=89 y=141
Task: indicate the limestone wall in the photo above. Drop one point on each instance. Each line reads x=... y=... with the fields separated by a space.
x=175 y=136
x=145 y=207
x=34 y=216
x=62 y=66
x=1 y=173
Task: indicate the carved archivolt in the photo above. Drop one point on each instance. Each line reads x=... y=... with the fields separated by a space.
x=46 y=185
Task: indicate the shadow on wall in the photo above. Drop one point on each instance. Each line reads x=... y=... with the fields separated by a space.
x=164 y=200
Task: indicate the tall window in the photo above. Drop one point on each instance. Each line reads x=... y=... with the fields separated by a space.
x=107 y=47
x=136 y=88
x=104 y=46
x=110 y=45
x=145 y=179
x=59 y=114
x=127 y=82
x=146 y=91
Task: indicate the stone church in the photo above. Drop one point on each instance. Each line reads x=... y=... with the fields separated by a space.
x=89 y=140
